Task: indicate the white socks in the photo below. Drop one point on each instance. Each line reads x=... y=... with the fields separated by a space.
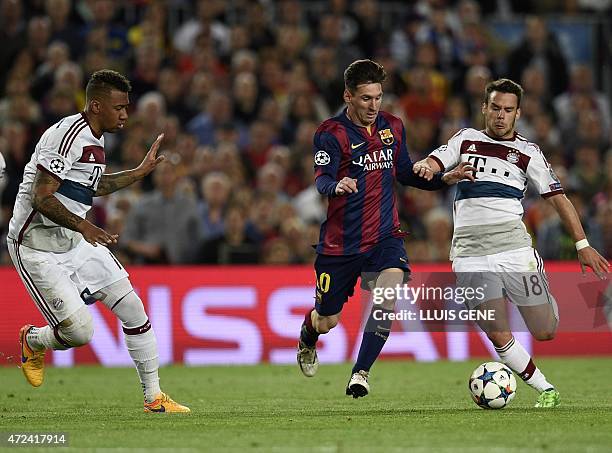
x=516 y=357
x=42 y=338
x=143 y=350
x=139 y=336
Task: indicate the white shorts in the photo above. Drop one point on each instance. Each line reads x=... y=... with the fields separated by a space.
x=59 y=282
x=517 y=274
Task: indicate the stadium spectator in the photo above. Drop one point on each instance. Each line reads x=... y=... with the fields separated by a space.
x=163 y=226
x=439 y=229
x=217 y=113
x=539 y=47
x=216 y=189
x=12 y=35
x=404 y=39
x=171 y=86
x=63 y=28
x=247 y=100
x=234 y=246
x=587 y=177
x=581 y=85
x=57 y=53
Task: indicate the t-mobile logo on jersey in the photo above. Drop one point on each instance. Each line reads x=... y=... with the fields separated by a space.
x=479 y=163
x=375 y=160
x=476 y=160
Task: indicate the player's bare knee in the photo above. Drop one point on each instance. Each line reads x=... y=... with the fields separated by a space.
x=545 y=335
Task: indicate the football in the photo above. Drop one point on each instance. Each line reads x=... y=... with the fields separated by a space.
x=492 y=385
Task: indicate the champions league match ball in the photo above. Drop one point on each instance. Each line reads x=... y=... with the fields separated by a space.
x=492 y=385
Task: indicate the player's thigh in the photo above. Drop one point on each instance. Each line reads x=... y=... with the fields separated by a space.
x=386 y=265
x=477 y=274
x=336 y=279
x=527 y=287
x=388 y=284
x=48 y=282
x=96 y=268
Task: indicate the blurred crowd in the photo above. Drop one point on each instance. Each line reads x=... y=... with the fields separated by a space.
x=240 y=87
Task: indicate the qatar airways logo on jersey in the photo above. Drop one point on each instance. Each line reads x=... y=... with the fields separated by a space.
x=375 y=160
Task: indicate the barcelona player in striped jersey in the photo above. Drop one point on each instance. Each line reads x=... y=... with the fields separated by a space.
x=490 y=242
x=358 y=156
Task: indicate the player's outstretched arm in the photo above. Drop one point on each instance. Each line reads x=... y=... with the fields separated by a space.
x=587 y=255
x=113 y=182
x=428 y=167
x=48 y=205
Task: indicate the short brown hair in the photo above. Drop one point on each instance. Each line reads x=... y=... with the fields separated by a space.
x=504 y=86
x=363 y=71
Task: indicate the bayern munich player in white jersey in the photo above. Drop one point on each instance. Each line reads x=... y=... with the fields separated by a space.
x=61 y=257
x=491 y=247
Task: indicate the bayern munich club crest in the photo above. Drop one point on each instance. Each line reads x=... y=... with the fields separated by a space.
x=321 y=158
x=513 y=157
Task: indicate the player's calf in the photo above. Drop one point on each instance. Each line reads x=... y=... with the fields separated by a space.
x=140 y=339
x=518 y=359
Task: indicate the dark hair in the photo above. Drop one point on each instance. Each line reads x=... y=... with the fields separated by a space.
x=504 y=86
x=103 y=81
x=363 y=71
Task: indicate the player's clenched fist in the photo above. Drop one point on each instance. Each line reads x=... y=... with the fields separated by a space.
x=346 y=185
x=423 y=169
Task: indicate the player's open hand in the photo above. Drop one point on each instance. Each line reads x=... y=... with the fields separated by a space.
x=95 y=235
x=423 y=170
x=589 y=257
x=151 y=160
x=346 y=185
x=462 y=171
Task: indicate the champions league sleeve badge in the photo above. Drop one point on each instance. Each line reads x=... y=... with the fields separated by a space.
x=321 y=158
x=57 y=166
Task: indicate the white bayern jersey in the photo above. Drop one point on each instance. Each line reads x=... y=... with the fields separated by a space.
x=492 y=204
x=71 y=153
x=2 y=166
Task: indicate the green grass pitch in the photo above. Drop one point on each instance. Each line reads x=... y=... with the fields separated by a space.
x=411 y=407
